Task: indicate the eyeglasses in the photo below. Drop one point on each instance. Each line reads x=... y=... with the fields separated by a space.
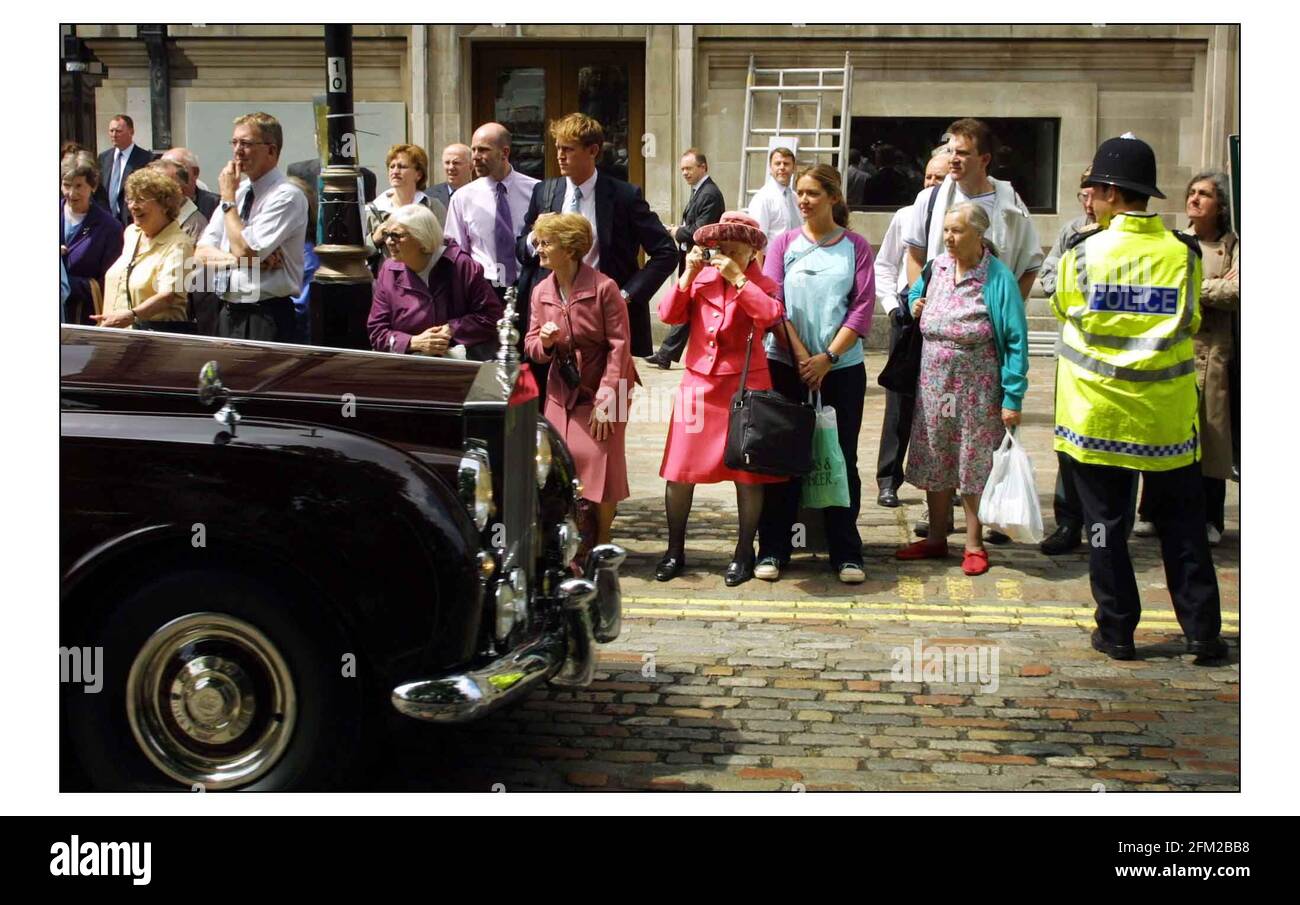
x=396 y=237
x=542 y=243
x=240 y=144
x=1084 y=195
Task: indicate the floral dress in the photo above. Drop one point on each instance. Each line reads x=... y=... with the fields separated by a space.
x=958 y=419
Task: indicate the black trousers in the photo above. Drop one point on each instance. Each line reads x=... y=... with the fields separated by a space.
x=845 y=391
x=1177 y=506
x=896 y=432
x=674 y=343
x=1066 y=507
x=270 y=320
x=1216 y=495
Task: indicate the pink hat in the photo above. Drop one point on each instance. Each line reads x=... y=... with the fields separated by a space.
x=735 y=226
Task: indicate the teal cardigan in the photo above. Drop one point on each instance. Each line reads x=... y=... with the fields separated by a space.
x=1010 y=329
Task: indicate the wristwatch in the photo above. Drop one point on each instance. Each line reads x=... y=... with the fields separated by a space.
x=835 y=359
x=741 y=283
x=227 y=206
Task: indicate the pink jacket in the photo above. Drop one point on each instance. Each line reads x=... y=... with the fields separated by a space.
x=598 y=315
x=721 y=319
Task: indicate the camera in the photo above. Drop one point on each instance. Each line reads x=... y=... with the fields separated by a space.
x=708 y=254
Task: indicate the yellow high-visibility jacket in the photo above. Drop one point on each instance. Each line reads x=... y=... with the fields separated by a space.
x=1125 y=366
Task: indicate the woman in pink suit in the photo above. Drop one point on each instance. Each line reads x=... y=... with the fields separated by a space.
x=729 y=304
x=579 y=324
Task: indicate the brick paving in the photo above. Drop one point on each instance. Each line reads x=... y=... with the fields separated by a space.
x=792 y=685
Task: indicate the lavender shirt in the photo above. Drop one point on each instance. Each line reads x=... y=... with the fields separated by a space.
x=824 y=290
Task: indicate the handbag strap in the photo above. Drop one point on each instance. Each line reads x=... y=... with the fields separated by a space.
x=834 y=237
x=126 y=277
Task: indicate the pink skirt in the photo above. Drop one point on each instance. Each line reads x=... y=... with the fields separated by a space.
x=697 y=435
x=602 y=465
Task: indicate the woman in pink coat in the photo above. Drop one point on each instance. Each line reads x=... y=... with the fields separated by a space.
x=729 y=304
x=579 y=324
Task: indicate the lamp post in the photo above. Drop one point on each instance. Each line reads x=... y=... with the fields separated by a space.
x=340 y=292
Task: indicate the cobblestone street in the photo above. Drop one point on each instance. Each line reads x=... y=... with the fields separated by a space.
x=792 y=685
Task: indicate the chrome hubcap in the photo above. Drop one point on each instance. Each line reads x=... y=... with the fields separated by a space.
x=210 y=701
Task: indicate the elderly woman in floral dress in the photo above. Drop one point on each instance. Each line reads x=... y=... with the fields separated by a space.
x=974 y=373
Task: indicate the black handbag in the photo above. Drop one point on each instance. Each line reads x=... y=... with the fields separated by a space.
x=902 y=369
x=767 y=433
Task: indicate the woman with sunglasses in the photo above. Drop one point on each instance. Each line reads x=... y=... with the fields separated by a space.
x=430 y=297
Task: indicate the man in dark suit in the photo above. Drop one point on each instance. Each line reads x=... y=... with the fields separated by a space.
x=117 y=163
x=706 y=206
x=621 y=219
x=309 y=171
x=458 y=167
x=204 y=200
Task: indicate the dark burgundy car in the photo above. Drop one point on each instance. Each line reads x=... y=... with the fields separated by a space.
x=273 y=546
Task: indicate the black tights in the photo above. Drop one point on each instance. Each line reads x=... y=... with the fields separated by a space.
x=677 y=502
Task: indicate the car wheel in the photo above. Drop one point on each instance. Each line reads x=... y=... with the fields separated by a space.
x=216 y=680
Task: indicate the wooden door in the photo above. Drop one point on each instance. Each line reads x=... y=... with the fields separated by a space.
x=526 y=87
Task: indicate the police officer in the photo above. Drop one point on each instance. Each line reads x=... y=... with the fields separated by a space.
x=1126 y=399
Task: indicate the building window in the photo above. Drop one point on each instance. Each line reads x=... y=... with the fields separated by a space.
x=895 y=149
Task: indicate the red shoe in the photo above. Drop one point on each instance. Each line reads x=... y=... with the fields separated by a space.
x=975 y=562
x=922 y=549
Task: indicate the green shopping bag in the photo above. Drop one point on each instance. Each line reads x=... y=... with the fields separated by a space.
x=828 y=482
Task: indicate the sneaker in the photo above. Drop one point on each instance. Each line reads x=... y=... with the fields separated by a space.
x=852 y=573
x=768 y=569
x=1144 y=529
x=1214 y=534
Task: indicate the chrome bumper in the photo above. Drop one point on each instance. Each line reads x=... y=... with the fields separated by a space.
x=593 y=612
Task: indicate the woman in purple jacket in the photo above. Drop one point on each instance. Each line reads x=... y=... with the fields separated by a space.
x=90 y=238
x=430 y=297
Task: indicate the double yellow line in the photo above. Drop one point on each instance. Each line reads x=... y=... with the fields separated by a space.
x=957 y=611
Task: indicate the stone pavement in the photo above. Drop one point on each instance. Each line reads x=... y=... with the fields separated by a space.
x=798 y=685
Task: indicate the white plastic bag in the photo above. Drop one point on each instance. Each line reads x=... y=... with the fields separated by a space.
x=1010 y=499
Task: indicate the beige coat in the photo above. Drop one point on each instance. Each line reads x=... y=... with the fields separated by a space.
x=1220 y=299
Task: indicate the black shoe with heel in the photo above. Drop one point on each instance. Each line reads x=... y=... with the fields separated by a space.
x=670 y=567
x=738 y=572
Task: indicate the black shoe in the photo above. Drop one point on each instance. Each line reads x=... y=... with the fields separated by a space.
x=659 y=362
x=887 y=498
x=738 y=572
x=670 y=567
x=1064 y=539
x=1114 y=651
x=922 y=528
x=1208 y=652
x=993 y=536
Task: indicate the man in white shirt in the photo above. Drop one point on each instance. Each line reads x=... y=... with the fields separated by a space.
x=774 y=206
x=891 y=289
x=486 y=216
x=258 y=236
x=1012 y=232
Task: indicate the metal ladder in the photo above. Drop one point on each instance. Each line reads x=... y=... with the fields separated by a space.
x=795 y=89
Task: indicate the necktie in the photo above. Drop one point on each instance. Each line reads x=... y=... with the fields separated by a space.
x=504 y=235
x=575 y=203
x=246 y=208
x=115 y=183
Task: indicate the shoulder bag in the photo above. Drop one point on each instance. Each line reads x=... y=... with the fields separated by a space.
x=902 y=370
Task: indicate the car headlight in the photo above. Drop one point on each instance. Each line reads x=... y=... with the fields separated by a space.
x=475 y=474
x=544 y=456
